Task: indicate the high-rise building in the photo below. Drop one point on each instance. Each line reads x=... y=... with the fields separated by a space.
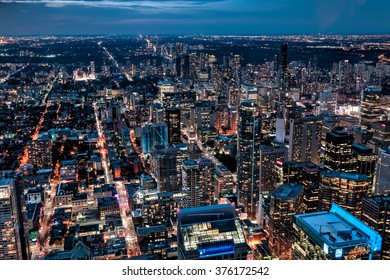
x=198 y=182
x=165 y=168
x=39 y=153
x=153 y=135
x=224 y=182
x=173 y=123
x=284 y=77
x=248 y=157
x=10 y=240
x=381 y=137
x=308 y=175
x=338 y=152
x=365 y=160
x=211 y=233
x=344 y=189
x=305 y=139
x=269 y=156
x=280 y=128
x=382 y=176
x=182 y=64
x=334 y=235
x=157 y=207
x=376 y=214
x=370 y=106
x=286 y=201
x=328 y=103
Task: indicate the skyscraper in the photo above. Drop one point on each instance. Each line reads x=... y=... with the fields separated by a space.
x=165 y=168
x=198 y=182
x=39 y=153
x=365 y=160
x=182 y=64
x=173 y=122
x=10 y=240
x=370 y=106
x=269 y=156
x=382 y=176
x=338 y=152
x=305 y=139
x=286 y=201
x=248 y=157
x=376 y=214
x=153 y=135
x=283 y=66
x=345 y=189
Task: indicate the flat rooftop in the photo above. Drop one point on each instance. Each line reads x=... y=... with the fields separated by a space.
x=338 y=229
x=287 y=191
x=344 y=175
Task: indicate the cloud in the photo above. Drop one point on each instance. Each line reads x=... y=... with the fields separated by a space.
x=330 y=11
x=121 y=4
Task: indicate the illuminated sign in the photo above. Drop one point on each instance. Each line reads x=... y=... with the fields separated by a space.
x=339 y=253
x=326 y=248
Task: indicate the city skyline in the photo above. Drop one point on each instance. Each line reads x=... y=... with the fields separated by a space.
x=80 y=17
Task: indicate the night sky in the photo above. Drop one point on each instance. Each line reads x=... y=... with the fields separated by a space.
x=239 y=17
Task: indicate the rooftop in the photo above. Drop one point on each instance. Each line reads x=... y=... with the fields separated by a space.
x=338 y=229
x=146 y=231
x=357 y=177
x=206 y=213
x=287 y=191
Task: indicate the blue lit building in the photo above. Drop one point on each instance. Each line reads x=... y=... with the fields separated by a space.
x=334 y=235
x=211 y=233
x=153 y=135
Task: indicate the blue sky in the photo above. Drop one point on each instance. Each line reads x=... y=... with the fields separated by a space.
x=242 y=17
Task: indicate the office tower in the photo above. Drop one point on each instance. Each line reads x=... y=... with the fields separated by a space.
x=158 y=113
x=269 y=155
x=165 y=87
x=153 y=135
x=10 y=239
x=248 y=157
x=114 y=111
x=328 y=103
x=39 y=153
x=280 y=128
x=283 y=66
x=382 y=176
x=338 y=152
x=157 y=207
x=198 y=182
x=211 y=233
x=305 y=139
x=362 y=136
x=293 y=112
x=224 y=183
x=92 y=68
x=286 y=201
x=334 y=235
x=165 y=163
x=381 y=137
x=173 y=123
x=370 y=106
x=182 y=64
x=376 y=214
x=365 y=160
x=202 y=115
x=21 y=215
x=344 y=189
x=308 y=175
